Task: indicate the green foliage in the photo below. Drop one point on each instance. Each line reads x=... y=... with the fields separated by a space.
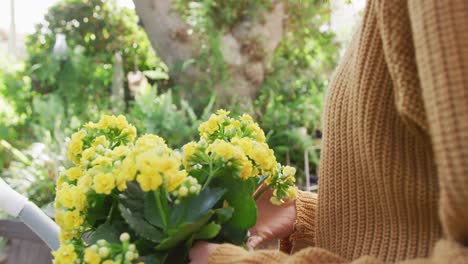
x=218 y=14
x=31 y=173
x=163 y=116
x=95 y=30
x=50 y=94
x=291 y=98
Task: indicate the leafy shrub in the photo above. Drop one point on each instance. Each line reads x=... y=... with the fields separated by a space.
x=161 y=115
x=95 y=31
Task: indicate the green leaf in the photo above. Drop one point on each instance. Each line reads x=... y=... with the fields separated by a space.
x=193 y=208
x=106 y=232
x=245 y=211
x=234 y=235
x=151 y=211
x=208 y=232
x=145 y=247
x=140 y=226
x=239 y=196
x=182 y=232
x=98 y=209
x=224 y=214
x=156 y=258
x=133 y=197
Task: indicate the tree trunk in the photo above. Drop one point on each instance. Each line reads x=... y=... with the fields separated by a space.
x=247 y=49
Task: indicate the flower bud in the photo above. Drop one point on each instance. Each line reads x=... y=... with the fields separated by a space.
x=193 y=189
x=274 y=200
x=129 y=256
x=101 y=242
x=124 y=237
x=132 y=247
x=103 y=252
x=183 y=191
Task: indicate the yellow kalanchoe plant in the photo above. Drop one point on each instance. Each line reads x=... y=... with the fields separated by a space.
x=121 y=185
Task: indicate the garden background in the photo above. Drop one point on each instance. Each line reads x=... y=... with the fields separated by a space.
x=166 y=65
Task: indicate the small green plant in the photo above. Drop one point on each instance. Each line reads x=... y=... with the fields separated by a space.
x=161 y=115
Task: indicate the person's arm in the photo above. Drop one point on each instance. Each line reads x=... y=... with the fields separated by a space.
x=304 y=229
x=440 y=36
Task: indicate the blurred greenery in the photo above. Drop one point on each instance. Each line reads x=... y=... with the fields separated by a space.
x=44 y=98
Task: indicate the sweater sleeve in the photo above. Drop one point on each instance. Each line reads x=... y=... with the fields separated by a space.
x=440 y=38
x=304 y=230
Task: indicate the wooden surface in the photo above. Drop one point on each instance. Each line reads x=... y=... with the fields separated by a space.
x=25 y=247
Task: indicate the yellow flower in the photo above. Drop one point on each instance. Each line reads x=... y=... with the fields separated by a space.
x=175 y=180
x=263 y=156
x=69 y=220
x=150 y=141
x=74 y=173
x=121 y=122
x=167 y=165
x=106 y=121
x=276 y=201
x=222 y=112
x=149 y=181
x=101 y=140
x=246 y=170
x=292 y=192
x=108 y=262
x=91 y=256
x=64 y=196
x=257 y=132
x=246 y=118
x=84 y=183
x=79 y=198
x=245 y=144
x=88 y=154
x=224 y=150
x=189 y=150
x=121 y=181
x=76 y=146
x=127 y=169
x=235 y=123
x=67 y=235
x=60 y=181
x=145 y=162
x=104 y=183
x=71 y=196
x=130 y=132
x=118 y=152
x=209 y=127
x=65 y=254
x=289 y=171
x=102 y=160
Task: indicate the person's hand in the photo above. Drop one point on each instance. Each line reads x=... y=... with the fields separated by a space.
x=200 y=251
x=273 y=221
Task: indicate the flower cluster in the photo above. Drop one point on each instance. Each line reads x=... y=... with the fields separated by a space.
x=102 y=252
x=165 y=198
x=96 y=150
x=189 y=186
x=236 y=142
x=283 y=184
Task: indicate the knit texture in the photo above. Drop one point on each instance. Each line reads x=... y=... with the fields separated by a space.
x=394 y=171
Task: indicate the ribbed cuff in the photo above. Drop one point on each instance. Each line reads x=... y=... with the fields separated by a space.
x=304 y=230
x=227 y=253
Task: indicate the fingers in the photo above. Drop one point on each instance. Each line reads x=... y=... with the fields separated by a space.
x=254 y=241
x=199 y=253
x=268 y=193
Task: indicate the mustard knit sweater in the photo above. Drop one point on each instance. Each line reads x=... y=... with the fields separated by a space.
x=394 y=172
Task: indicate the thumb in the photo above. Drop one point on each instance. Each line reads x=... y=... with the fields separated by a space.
x=255 y=241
